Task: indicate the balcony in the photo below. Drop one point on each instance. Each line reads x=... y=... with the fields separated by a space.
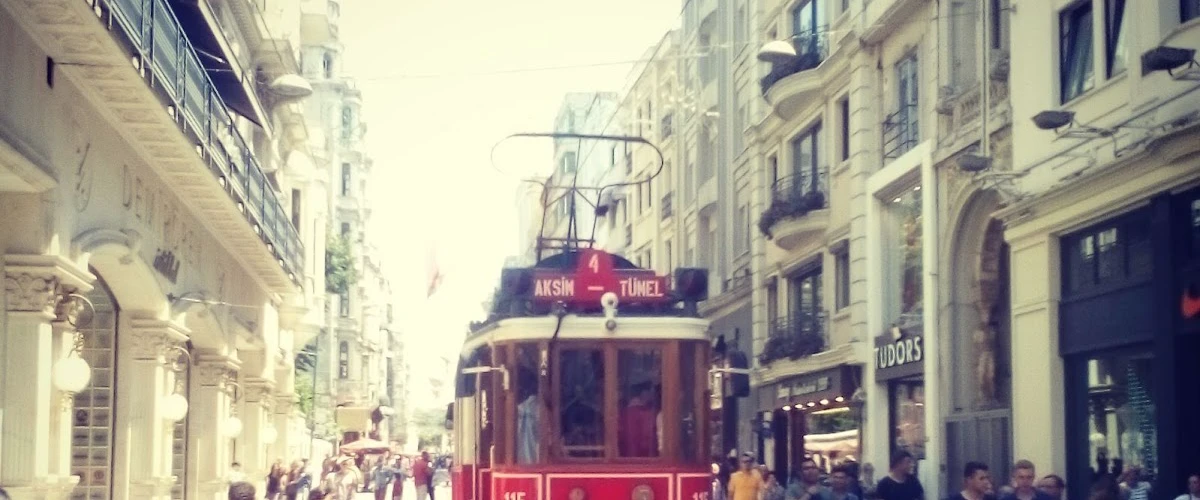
x=136 y=62
x=792 y=84
x=798 y=209
x=798 y=336
x=901 y=132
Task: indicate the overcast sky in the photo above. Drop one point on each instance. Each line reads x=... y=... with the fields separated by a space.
x=442 y=82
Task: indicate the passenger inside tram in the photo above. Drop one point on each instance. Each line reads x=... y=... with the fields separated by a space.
x=639 y=423
x=527 y=416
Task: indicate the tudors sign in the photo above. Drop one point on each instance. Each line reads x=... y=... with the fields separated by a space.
x=899 y=358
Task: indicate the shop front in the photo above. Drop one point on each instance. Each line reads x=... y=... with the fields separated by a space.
x=1113 y=376
x=811 y=415
x=900 y=370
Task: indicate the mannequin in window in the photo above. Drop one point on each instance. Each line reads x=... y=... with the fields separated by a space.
x=639 y=427
x=527 y=418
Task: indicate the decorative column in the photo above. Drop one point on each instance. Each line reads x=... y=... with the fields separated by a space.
x=209 y=453
x=256 y=417
x=286 y=445
x=31 y=452
x=145 y=381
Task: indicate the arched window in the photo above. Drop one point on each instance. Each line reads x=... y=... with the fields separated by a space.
x=95 y=406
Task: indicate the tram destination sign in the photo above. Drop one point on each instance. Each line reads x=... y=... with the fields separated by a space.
x=595 y=276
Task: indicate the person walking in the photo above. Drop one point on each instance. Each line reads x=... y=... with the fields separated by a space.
x=422 y=476
x=746 y=483
x=900 y=483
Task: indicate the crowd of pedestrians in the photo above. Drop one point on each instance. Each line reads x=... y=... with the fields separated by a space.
x=342 y=477
x=746 y=480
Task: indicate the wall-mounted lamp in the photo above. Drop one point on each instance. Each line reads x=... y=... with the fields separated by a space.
x=1064 y=123
x=72 y=373
x=175 y=405
x=233 y=425
x=1170 y=59
x=777 y=52
x=969 y=162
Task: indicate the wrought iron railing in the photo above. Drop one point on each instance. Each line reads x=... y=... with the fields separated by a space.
x=153 y=33
x=795 y=196
x=811 y=50
x=797 y=336
x=900 y=131
x=667 y=205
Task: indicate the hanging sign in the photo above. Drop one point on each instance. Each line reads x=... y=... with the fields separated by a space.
x=593 y=277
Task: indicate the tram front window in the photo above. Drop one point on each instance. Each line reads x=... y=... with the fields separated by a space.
x=640 y=379
x=582 y=397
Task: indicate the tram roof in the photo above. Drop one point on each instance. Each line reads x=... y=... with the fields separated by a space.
x=587 y=327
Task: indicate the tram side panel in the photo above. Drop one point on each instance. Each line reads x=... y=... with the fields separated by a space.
x=466 y=477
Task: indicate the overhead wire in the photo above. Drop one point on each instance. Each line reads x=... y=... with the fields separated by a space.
x=631 y=62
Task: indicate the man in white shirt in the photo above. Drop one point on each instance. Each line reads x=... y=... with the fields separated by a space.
x=1193 y=488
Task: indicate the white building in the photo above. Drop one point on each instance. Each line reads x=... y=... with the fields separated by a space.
x=149 y=232
x=351 y=349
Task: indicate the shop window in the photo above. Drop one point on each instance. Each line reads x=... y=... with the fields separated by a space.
x=1194 y=229
x=908 y=417
x=1075 y=63
x=1120 y=420
x=581 y=403
x=831 y=436
x=639 y=374
x=903 y=254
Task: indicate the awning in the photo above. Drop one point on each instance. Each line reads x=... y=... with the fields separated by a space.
x=232 y=82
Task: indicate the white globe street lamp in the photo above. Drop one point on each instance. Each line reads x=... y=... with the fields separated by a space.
x=174 y=407
x=233 y=427
x=72 y=374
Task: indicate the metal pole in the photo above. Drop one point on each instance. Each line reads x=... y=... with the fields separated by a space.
x=312 y=406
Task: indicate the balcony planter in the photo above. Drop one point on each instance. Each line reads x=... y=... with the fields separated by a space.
x=791 y=346
x=794 y=206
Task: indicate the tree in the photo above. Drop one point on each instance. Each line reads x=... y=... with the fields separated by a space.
x=304 y=390
x=340 y=273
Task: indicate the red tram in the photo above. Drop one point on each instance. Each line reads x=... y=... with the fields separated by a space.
x=589 y=381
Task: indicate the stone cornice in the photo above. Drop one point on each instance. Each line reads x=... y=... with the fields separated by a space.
x=152 y=338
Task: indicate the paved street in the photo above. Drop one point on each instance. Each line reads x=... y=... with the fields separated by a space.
x=442 y=493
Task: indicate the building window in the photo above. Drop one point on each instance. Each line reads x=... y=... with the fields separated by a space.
x=773 y=166
x=1113 y=255
x=842 y=281
x=1075 y=65
x=344 y=305
x=805 y=19
x=328 y=65
x=1114 y=36
x=808 y=174
x=296 y=208
x=904 y=270
x=346 y=230
x=668 y=253
x=569 y=164
x=1193 y=228
x=1000 y=23
x=805 y=295
x=772 y=301
x=346 y=179
x=844 y=117
x=902 y=128
x=347 y=122
x=964 y=15
x=343 y=360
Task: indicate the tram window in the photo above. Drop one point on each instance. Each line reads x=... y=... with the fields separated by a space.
x=688 y=446
x=581 y=402
x=528 y=407
x=640 y=378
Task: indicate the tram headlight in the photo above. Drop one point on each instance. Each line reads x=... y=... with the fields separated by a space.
x=609 y=302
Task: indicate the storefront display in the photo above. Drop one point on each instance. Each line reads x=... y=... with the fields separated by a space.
x=899 y=363
x=810 y=416
x=904 y=256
